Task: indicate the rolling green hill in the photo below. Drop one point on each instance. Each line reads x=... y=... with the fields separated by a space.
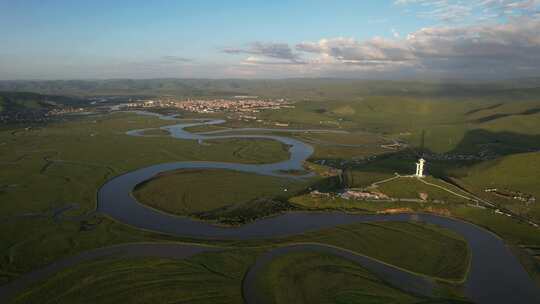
x=24 y=101
x=519 y=172
x=449 y=125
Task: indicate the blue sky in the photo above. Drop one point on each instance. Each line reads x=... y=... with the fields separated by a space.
x=60 y=39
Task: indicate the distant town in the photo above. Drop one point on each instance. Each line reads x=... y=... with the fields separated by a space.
x=246 y=104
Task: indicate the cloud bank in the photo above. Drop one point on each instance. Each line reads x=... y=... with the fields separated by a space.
x=488 y=50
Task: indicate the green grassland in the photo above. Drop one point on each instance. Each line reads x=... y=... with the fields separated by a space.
x=205 y=128
x=309 y=277
x=204 y=278
x=31 y=242
x=214 y=193
x=66 y=163
x=517 y=172
x=351 y=138
x=350 y=146
x=362 y=179
x=253 y=151
x=199 y=279
x=523 y=237
x=416 y=247
x=360 y=206
x=398 y=244
x=335 y=147
x=157 y=132
x=447 y=123
x=408 y=187
x=452 y=125
x=47 y=168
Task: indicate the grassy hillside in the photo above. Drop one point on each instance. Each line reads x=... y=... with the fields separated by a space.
x=450 y=126
x=519 y=172
x=23 y=101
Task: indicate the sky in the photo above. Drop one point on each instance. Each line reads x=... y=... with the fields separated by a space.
x=365 y=39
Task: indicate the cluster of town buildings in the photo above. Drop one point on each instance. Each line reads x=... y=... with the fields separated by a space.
x=363 y=195
x=350 y=194
x=511 y=194
x=246 y=104
x=64 y=110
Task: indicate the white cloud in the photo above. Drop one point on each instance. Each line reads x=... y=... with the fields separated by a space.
x=351 y=50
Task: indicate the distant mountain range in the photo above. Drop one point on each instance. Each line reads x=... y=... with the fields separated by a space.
x=302 y=89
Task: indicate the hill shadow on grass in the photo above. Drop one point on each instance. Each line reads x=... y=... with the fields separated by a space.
x=497 y=143
x=502 y=115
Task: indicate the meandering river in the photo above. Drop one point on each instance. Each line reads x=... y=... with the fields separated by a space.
x=495 y=275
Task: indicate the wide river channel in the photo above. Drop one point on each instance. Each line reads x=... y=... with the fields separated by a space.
x=495 y=276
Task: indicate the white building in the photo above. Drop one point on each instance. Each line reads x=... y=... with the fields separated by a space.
x=420 y=167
